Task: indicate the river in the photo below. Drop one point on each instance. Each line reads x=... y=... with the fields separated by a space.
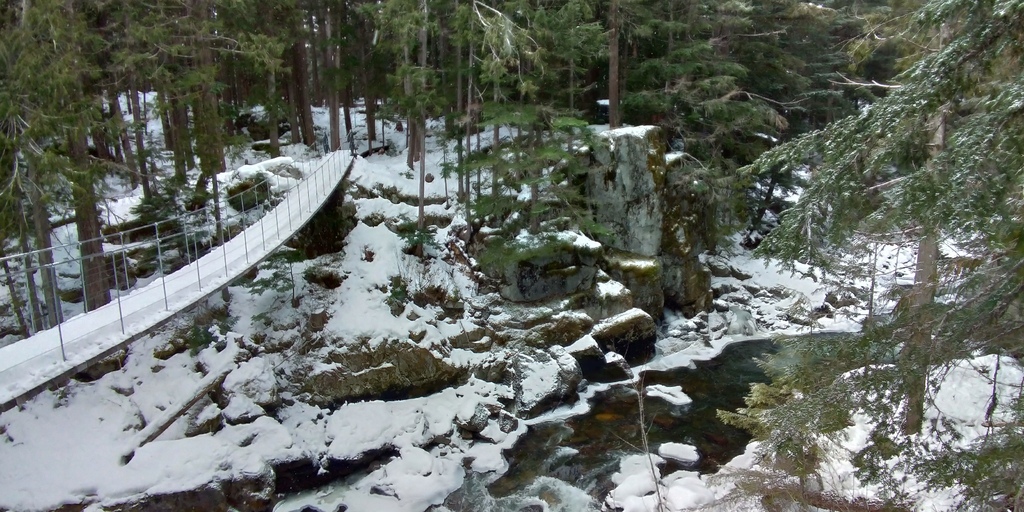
x=566 y=465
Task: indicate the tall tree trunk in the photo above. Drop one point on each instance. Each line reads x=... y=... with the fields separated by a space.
x=613 y=65
x=365 y=74
x=16 y=302
x=346 y=106
x=209 y=126
x=165 y=121
x=494 y=147
x=140 y=143
x=181 y=137
x=126 y=144
x=293 y=109
x=918 y=347
x=422 y=128
x=31 y=293
x=273 y=115
x=42 y=231
x=332 y=87
x=458 y=108
x=410 y=138
x=95 y=280
x=316 y=95
x=470 y=126
x=99 y=136
x=302 y=100
x=919 y=344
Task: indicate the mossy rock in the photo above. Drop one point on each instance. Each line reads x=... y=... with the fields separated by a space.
x=628 y=182
x=542 y=268
x=641 y=275
x=562 y=329
x=394 y=370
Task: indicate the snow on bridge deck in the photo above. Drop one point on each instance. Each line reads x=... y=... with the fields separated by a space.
x=34 y=364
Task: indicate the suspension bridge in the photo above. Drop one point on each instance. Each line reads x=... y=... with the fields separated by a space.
x=192 y=266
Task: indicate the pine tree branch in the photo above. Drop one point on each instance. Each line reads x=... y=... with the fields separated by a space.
x=848 y=81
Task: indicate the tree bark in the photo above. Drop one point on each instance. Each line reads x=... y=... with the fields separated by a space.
x=918 y=346
x=332 y=88
x=302 y=99
x=35 y=316
x=613 y=65
x=458 y=107
x=422 y=128
x=42 y=231
x=184 y=159
x=16 y=302
x=95 y=280
x=140 y=144
x=209 y=126
x=346 y=106
x=273 y=115
x=126 y=145
x=316 y=67
x=293 y=110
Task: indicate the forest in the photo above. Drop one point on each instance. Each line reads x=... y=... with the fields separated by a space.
x=826 y=134
x=727 y=80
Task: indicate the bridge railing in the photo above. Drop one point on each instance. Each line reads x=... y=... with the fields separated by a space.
x=190 y=260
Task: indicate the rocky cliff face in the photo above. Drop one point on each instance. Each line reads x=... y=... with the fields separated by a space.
x=650 y=218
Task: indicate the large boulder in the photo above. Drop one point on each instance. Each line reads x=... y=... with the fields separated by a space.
x=544 y=379
x=541 y=324
x=541 y=268
x=390 y=371
x=597 y=366
x=254 y=379
x=631 y=334
x=641 y=275
x=628 y=187
x=651 y=210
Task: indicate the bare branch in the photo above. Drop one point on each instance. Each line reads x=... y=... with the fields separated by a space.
x=848 y=81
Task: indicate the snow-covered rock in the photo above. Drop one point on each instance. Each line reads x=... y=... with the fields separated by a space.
x=241 y=409
x=596 y=365
x=671 y=394
x=679 y=452
x=631 y=334
x=391 y=370
x=254 y=379
x=741 y=322
x=543 y=379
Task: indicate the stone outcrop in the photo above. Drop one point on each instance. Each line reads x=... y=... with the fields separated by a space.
x=597 y=366
x=546 y=268
x=631 y=334
x=649 y=214
x=642 y=275
x=254 y=379
x=543 y=379
x=390 y=371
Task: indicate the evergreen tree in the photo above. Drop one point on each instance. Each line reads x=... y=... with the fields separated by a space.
x=935 y=160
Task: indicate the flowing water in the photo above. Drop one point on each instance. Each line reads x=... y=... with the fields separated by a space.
x=567 y=465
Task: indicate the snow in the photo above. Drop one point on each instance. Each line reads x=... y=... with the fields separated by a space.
x=678 y=452
x=254 y=379
x=585 y=343
x=671 y=394
x=611 y=289
x=541 y=379
x=636 y=483
x=629 y=131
